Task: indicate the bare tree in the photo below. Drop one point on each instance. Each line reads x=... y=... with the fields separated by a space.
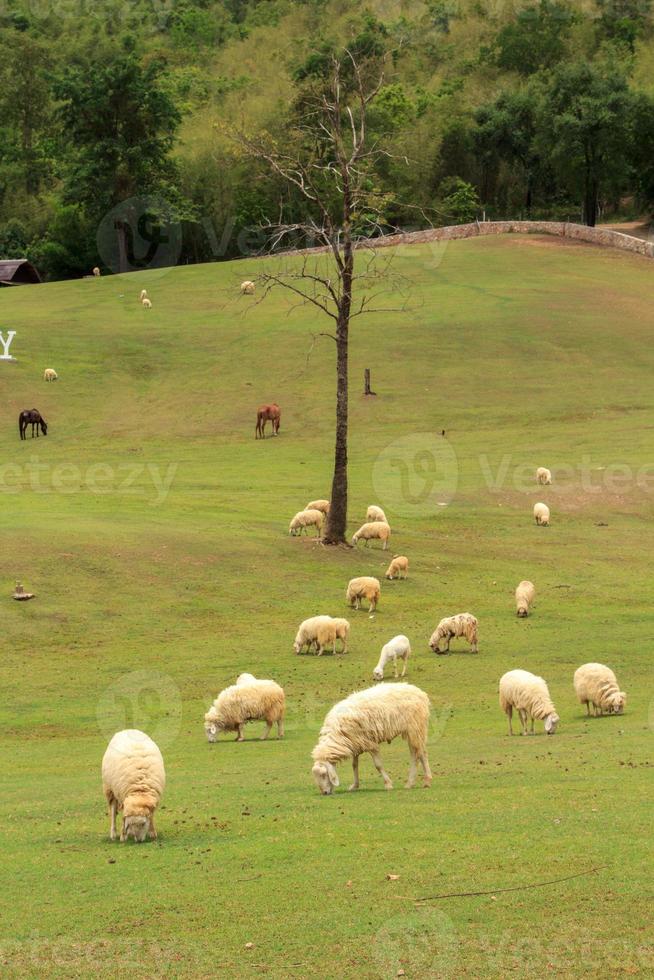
x=329 y=167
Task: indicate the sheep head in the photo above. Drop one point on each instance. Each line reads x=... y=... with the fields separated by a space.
x=212 y=727
x=378 y=673
x=617 y=702
x=522 y=611
x=551 y=721
x=326 y=777
x=137 y=827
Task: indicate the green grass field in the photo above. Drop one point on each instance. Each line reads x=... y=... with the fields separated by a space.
x=150 y=600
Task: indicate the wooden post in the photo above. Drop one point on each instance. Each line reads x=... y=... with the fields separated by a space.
x=366 y=379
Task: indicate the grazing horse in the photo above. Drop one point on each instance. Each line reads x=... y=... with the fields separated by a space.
x=267 y=413
x=31 y=417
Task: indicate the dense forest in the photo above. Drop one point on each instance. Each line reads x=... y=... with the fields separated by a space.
x=542 y=110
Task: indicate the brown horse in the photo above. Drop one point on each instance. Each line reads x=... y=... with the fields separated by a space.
x=31 y=417
x=267 y=413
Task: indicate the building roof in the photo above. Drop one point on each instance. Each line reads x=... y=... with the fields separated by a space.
x=14 y=272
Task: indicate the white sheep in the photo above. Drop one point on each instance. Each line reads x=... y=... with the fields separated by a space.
x=50 y=374
x=364 y=587
x=247 y=700
x=362 y=722
x=543 y=475
x=342 y=628
x=463 y=624
x=304 y=519
x=319 y=631
x=245 y=678
x=398 y=565
x=542 y=514
x=529 y=695
x=525 y=594
x=375 y=514
x=373 y=530
x=396 y=649
x=322 y=505
x=133 y=780
x=146 y=303
x=247 y=288
x=597 y=685
x=143 y=295
x=96 y=271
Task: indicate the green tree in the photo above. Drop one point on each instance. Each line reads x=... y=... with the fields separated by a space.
x=25 y=105
x=506 y=131
x=624 y=20
x=458 y=201
x=535 y=39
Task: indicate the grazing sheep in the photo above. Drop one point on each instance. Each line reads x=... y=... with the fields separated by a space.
x=146 y=303
x=376 y=514
x=396 y=649
x=247 y=700
x=362 y=722
x=247 y=288
x=364 y=587
x=342 y=627
x=319 y=631
x=543 y=475
x=96 y=271
x=143 y=295
x=322 y=505
x=50 y=374
x=398 y=565
x=524 y=597
x=133 y=780
x=374 y=529
x=304 y=519
x=542 y=514
x=463 y=624
x=529 y=695
x=597 y=685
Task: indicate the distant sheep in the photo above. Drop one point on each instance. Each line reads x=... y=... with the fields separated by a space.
x=133 y=780
x=376 y=514
x=318 y=631
x=373 y=530
x=399 y=565
x=143 y=295
x=50 y=374
x=96 y=271
x=247 y=700
x=597 y=685
x=542 y=514
x=247 y=288
x=396 y=649
x=364 y=587
x=529 y=695
x=146 y=303
x=543 y=475
x=362 y=722
x=321 y=505
x=304 y=519
x=525 y=594
x=463 y=624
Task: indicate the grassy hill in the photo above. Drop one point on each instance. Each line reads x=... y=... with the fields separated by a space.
x=153 y=528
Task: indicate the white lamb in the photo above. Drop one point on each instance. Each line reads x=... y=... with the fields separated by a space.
x=373 y=530
x=143 y=295
x=146 y=303
x=463 y=624
x=50 y=374
x=247 y=287
x=542 y=514
x=398 y=565
x=525 y=594
x=304 y=519
x=529 y=695
x=375 y=514
x=248 y=700
x=245 y=678
x=362 y=722
x=319 y=631
x=133 y=780
x=96 y=271
x=364 y=587
x=597 y=685
x=543 y=475
x=396 y=649
x=322 y=505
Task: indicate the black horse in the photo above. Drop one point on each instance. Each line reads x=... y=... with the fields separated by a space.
x=31 y=417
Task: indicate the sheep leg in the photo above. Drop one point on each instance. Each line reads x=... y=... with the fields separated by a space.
x=267 y=731
x=523 y=720
x=588 y=709
x=413 y=769
x=239 y=733
x=280 y=728
x=153 y=829
x=320 y=649
x=376 y=758
x=395 y=667
x=355 y=770
x=403 y=668
x=533 y=722
x=385 y=545
x=509 y=715
x=112 y=819
x=424 y=762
